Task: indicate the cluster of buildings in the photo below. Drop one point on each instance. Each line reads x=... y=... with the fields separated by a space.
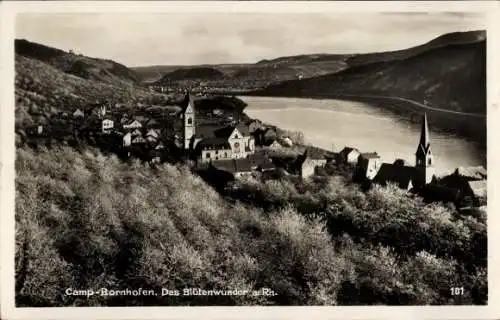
x=230 y=147
x=466 y=186
x=225 y=145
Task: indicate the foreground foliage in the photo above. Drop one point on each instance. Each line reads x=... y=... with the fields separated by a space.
x=84 y=220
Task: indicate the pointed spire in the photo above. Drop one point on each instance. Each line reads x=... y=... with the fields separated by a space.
x=187 y=99
x=424 y=134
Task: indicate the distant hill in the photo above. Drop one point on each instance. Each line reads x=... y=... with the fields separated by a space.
x=270 y=72
x=246 y=76
x=85 y=67
x=200 y=73
x=454 y=38
x=447 y=73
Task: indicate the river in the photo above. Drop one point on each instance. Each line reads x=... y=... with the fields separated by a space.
x=334 y=124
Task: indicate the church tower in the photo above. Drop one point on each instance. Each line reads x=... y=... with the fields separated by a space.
x=424 y=168
x=188 y=118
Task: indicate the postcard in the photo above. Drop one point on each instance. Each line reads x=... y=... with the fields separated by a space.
x=230 y=160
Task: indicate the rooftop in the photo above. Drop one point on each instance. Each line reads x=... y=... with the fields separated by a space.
x=477 y=172
x=233 y=165
x=479 y=188
x=370 y=155
x=213 y=142
x=400 y=175
x=348 y=150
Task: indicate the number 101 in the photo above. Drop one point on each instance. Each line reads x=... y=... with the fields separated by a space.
x=457 y=291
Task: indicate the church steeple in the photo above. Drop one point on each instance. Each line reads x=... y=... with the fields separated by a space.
x=424 y=134
x=424 y=160
x=188 y=115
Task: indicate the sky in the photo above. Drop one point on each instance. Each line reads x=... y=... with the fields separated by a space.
x=142 y=39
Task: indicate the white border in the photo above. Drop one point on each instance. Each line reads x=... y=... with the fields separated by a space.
x=7 y=154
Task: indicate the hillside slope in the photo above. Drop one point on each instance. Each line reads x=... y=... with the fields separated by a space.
x=42 y=90
x=85 y=67
x=103 y=223
x=454 y=38
x=451 y=77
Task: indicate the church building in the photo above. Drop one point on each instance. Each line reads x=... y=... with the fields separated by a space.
x=404 y=176
x=208 y=143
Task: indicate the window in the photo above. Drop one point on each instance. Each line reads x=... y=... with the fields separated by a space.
x=207 y=155
x=429 y=161
x=236 y=144
x=225 y=154
x=216 y=151
x=236 y=136
x=190 y=121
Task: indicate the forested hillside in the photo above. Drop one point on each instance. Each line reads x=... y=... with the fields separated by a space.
x=104 y=223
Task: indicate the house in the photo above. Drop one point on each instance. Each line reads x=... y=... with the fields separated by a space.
x=436 y=192
x=368 y=165
x=236 y=167
x=125 y=118
x=235 y=140
x=472 y=192
x=36 y=130
x=213 y=149
x=472 y=173
x=276 y=145
x=138 y=140
x=132 y=124
x=477 y=191
x=159 y=145
x=152 y=135
x=400 y=175
x=107 y=125
x=78 y=113
x=286 y=142
x=349 y=155
x=127 y=139
x=308 y=164
x=136 y=132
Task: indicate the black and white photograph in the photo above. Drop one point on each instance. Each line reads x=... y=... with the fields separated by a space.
x=235 y=158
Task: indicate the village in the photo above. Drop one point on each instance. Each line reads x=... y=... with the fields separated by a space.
x=222 y=147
